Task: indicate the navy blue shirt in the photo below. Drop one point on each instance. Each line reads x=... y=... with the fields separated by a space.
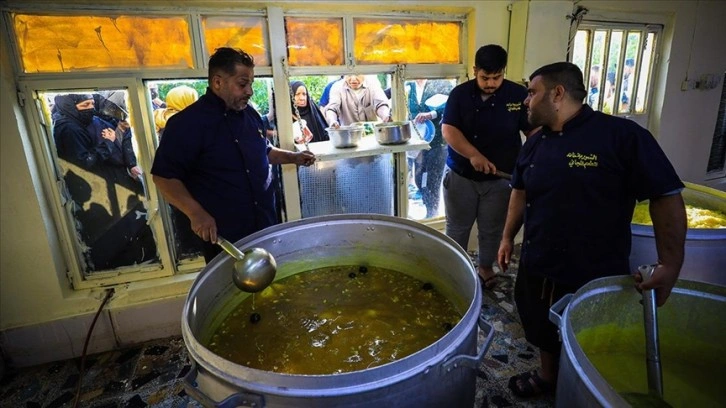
x=221 y=157
x=492 y=126
x=581 y=186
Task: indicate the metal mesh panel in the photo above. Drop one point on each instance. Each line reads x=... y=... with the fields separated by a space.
x=348 y=186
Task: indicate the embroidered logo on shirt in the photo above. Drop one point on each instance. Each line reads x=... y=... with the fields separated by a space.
x=582 y=160
x=514 y=107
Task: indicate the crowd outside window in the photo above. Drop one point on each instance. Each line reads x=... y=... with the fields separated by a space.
x=97 y=157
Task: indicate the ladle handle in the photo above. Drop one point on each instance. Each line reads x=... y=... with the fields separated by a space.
x=652 y=342
x=503 y=175
x=229 y=247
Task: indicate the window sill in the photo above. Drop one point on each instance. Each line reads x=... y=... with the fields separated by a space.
x=368 y=146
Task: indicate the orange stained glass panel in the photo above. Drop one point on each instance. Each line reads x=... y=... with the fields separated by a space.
x=76 y=43
x=407 y=42
x=314 y=42
x=246 y=33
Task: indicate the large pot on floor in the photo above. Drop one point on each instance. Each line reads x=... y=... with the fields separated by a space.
x=442 y=374
x=602 y=328
x=705 y=248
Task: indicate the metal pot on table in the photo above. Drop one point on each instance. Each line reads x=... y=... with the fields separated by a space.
x=345 y=136
x=393 y=132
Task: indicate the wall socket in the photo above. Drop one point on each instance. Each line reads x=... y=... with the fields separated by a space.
x=704 y=82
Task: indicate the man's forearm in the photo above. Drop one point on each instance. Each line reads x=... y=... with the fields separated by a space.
x=515 y=214
x=670 y=225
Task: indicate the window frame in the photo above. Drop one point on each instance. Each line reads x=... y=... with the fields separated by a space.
x=43 y=164
x=643 y=118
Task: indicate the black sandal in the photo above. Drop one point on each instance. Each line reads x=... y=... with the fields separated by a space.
x=532 y=385
x=491 y=282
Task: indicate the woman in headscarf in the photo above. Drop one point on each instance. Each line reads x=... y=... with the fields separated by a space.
x=73 y=115
x=177 y=99
x=308 y=123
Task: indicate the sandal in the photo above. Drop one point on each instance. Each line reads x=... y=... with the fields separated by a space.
x=532 y=385
x=491 y=282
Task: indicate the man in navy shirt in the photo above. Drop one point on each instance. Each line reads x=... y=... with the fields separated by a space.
x=213 y=162
x=575 y=185
x=482 y=123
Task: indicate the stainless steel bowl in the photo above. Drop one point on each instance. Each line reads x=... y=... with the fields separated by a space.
x=393 y=132
x=345 y=136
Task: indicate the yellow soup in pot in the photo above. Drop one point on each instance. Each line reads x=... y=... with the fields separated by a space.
x=333 y=320
x=697 y=217
x=692 y=368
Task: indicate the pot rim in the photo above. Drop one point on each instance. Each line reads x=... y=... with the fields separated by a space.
x=429 y=357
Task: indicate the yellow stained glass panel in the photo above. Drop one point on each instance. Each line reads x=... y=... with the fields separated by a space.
x=407 y=42
x=246 y=33
x=314 y=42
x=76 y=43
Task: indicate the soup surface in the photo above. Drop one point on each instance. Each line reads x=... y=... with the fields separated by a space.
x=697 y=217
x=334 y=320
x=691 y=368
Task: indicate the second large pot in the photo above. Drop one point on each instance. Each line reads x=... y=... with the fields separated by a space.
x=691 y=332
x=442 y=374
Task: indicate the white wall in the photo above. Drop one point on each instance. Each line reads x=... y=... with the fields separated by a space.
x=33 y=287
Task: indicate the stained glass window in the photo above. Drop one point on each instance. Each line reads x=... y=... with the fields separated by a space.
x=407 y=42
x=76 y=43
x=314 y=41
x=246 y=33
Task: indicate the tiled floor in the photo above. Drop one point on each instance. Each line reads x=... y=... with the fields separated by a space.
x=150 y=374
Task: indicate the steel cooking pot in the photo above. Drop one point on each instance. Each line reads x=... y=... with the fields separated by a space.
x=393 y=132
x=442 y=374
x=345 y=136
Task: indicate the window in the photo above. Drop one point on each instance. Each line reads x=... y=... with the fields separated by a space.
x=617 y=63
x=717 y=158
x=75 y=43
x=407 y=41
x=247 y=33
x=116 y=228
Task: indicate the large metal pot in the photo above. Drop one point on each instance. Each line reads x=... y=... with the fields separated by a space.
x=705 y=249
x=345 y=136
x=694 y=309
x=392 y=132
x=441 y=374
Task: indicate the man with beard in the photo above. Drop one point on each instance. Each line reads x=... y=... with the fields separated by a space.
x=481 y=124
x=575 y=185
x=213 y=162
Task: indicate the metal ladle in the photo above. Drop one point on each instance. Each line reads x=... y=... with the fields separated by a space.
x=654 y=397
x=254 y=269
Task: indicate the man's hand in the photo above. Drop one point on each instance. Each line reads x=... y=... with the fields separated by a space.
x=504 y=255
x=482 y=164
x=305 y=158
x=663 y=280
x=204 y=226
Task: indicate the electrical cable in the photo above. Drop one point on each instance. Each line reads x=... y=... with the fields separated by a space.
x=109 y=293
